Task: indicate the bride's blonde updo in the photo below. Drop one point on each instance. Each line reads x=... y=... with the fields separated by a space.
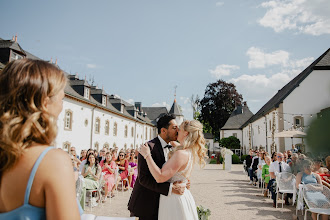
x=24 y=86
x=195 y=140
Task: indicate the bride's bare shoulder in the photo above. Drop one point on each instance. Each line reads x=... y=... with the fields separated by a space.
x=182 y=153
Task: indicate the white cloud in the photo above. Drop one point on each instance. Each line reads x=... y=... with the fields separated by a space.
x=185 y=100
x=219 y=4
x=259 y=88
x=163 y=104
x=223 y=70
x=260 y=59
x=91 y=66
x=304 y=16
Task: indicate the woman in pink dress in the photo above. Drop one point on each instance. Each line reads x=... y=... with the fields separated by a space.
x=109 y=168
x=123 y=169
x=133 y=172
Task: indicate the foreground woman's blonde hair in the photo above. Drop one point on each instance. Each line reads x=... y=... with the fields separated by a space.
x=24 y=86
x=194 y=141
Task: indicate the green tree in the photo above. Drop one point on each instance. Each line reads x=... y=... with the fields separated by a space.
x=220 y=99
x=318 y=138
x=230 y=142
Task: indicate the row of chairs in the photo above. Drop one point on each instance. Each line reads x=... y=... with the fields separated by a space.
x=98 y=191
x=315 y=196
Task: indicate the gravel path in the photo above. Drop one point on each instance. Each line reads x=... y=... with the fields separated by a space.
x=226 y=193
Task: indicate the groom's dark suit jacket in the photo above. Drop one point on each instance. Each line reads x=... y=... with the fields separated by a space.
x=144 y=199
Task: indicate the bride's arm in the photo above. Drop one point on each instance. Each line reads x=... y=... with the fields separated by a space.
x=173 y=165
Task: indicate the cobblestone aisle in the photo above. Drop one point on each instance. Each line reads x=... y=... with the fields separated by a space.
x=225 y=193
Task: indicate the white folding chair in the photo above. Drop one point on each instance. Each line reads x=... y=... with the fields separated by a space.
x=317 y=199
x=122 y=181
x=285 y=183
x=98 y=190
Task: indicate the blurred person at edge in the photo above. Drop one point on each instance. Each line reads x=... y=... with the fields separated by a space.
x=31 y=93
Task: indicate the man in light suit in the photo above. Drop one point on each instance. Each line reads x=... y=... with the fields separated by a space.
x=144 y=200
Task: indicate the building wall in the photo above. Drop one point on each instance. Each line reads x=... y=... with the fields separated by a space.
x=82 y=135
x=311 y=96
x=228 y=133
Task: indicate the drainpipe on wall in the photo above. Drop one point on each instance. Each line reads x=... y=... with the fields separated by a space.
x=266 y=134
x=92 y=126
x=134 y=135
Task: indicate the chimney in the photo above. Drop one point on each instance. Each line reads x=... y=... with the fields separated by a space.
x=16 y=38
x=51 y=60
x=13 y=39
x=56 y=61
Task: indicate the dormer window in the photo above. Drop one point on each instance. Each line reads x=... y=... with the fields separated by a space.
x=122 y=108
x=86 y=93
x=16 y=56
x=104 y=100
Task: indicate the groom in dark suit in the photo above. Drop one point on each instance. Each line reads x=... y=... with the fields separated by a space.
x=144 y=201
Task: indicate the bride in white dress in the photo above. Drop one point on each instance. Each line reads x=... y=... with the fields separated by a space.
x=178 y=168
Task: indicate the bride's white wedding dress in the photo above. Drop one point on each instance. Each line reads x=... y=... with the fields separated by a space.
x=179 y=206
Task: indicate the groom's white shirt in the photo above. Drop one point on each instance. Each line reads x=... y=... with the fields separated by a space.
x=163 y=143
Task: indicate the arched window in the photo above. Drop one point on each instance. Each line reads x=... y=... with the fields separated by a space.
x=125 y=147
x=114 y=145
x=66 y=146
x=146 y=133
x=107 y=127
x=68 y=120
x=150 y=136
x=106 y=145
x=96 y=146
x=131 y=146
x=97 y=126
x=132 y=132
x=115 y=129
x=126 y=131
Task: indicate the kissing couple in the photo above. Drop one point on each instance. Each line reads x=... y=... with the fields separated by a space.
x=161 y=190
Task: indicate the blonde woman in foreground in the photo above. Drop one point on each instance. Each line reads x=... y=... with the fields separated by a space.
x=36 y=180
x=178 y=168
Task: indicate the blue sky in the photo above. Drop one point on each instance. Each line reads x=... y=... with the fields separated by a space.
x=140 y=50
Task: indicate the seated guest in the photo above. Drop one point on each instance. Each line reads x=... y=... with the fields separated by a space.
x=73 y=149
x=294 y=164
x=133 y=172
x=274 y=157
x=261 y=163
x=91 y=172
x=73 y=156
x=309 y=177
x=101 y=155
x=83 y=155
x=265 y=173
x=109 y=168
x=277 y=167
x=83 y=162
x=322 y=172
x=122 y=164
x=254 y=167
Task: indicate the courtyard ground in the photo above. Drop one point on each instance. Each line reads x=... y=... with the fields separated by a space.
x=226 y=193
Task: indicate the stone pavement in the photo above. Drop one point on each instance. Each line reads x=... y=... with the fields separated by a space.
x=226 y=193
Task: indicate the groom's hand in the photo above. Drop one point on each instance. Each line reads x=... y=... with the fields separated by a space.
x=178 y=188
